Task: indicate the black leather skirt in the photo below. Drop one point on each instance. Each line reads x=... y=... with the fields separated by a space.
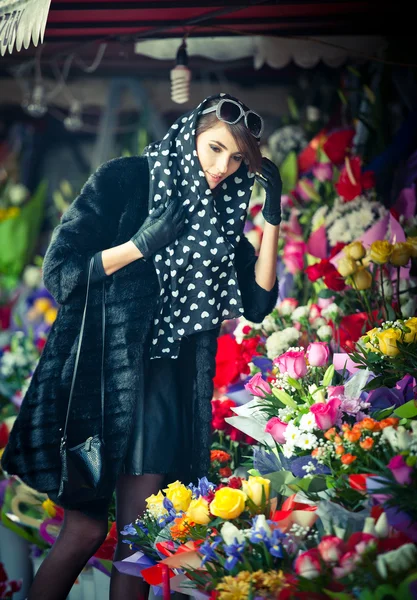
x=161 y=438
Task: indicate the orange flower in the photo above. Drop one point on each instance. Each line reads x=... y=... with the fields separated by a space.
x=348 y=459
x=389 y=422
x=367 y=443
x=368 y=423
x=181 y=528
x=315 y=452
x=340 y=450
x=225 y=472
x=219 y=455
x=337 y=439
x=330 y=433
x=345 y=427
x=352 y=436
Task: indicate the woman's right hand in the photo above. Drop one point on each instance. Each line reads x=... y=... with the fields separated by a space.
x=160 y=229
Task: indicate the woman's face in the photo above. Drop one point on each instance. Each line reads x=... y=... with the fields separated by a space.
x=218 y=154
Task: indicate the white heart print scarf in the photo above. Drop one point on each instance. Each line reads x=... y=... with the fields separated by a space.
x=196 y=273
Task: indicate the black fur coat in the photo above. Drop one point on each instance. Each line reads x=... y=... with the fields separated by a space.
x=109 y=210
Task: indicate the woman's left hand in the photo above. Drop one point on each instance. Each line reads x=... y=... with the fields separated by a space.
x=270 y=179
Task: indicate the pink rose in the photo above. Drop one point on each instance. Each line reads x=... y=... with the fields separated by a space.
x=276 y=428
x=335 y=391
x=293 y=255
x=400 y=470
x=326 y=414
x=257 y=386
x=315 y=311
x=308 y=564
x=292 y=362
x=318 y=354
x=325 y=302
x=331 y=548
x=347 y=564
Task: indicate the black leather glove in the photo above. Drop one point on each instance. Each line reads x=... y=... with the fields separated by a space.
x=270 y=180
x=159 y=229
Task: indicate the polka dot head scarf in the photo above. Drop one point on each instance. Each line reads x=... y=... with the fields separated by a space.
x=196 y=273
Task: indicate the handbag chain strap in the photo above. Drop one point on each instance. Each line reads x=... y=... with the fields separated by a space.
x=77 y=357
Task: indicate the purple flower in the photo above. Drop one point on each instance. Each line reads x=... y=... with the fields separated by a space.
x=350 y=406
x=128 y=530
x=400 y=470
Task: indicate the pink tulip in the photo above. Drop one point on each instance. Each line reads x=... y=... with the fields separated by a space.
x=323 y=171
x=308 y=564
x=335 y=391
x=331 y=548
x=400 y=470
x=292 y=362
x=257 y=386
x=293 y=255
x=317 y=243
x=326 y=414
x=276 y=428
x=318 y=354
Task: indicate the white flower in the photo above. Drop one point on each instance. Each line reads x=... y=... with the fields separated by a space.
x=325 y=333
x=269 y=324
x=32 y=276
x=331 y=312
x=288 y=450
x=291 y=434
x=241 y=323
x=307 y=441
x=399 y=438
x=308 y=422
x=18 y=193
x=230 y=532
x=318 y=322
x=397 y=560
x=260 y=523
x=318 y=395
x=301 y=312
x=279 y=341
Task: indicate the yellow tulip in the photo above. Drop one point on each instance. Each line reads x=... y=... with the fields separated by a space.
x=355 y=250
x=387 y=340
x=198 y=511
x=380 y=252
x=401 y=254
x=411 y=336
x=253 y=488
x=179 y=495
x=413 y=242
x=346 y=266
x=228 y=503
x=362 y=279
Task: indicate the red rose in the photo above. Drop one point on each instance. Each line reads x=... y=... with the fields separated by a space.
x=334 y=281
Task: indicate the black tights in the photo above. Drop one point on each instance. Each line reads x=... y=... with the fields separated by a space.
x=81 y=536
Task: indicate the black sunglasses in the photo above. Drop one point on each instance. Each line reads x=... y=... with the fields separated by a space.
x=231 y=112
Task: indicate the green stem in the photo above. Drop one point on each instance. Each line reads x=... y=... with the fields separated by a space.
x=381 y=274
x=400 y=314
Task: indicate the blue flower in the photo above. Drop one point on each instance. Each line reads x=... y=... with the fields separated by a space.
x=167 y=504
x=128 y=530
x=275 y=547
x=259 y=536
x=231 y=562
x=207 y=550
x=165 y=519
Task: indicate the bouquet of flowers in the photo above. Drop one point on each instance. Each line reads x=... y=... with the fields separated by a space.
x=17 y=363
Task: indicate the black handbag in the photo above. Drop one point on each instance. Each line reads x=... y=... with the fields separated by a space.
x=83 y=467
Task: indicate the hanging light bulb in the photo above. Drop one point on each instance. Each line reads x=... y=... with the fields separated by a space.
x=180 y=77
x=74 y=120
x=37 y=106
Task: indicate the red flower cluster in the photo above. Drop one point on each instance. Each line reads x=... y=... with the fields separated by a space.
x=221 y=409
x=352 y=181
x=327 y=271
x=232 y=359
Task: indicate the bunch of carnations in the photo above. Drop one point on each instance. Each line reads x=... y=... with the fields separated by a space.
x=388 y=351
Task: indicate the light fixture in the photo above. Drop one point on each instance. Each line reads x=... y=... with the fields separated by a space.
x=37 y=106
x=180 y=77
x=74 y=120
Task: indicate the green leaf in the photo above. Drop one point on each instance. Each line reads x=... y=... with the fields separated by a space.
x=293 y=108
x=284 y=398
x=407 y=410
x=338 y=595
x=328 y=376
x=280 y=479
x=379 y=415
x=289 y=172
x=254 y=472
x=295 y=384
x=385 y=591
x=404 y=588
x=326 y=293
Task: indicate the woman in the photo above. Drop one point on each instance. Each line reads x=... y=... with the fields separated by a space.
x=166 y=233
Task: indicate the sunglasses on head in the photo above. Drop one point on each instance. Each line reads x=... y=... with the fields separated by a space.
x=231 y=112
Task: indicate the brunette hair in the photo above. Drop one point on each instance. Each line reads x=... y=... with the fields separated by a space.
x=245 y=141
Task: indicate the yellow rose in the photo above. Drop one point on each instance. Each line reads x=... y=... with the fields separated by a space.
x=371 y=343
x=388 y=341
x=228 y=503
x=362 y=279
x=253 y=488
x=401 y=254
x=346 y=266
x=412 y=335
x=355 y=250
x=154 y=504
x=198 y=511
x=413 y=242
x=380 y=252
x=179 y=495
